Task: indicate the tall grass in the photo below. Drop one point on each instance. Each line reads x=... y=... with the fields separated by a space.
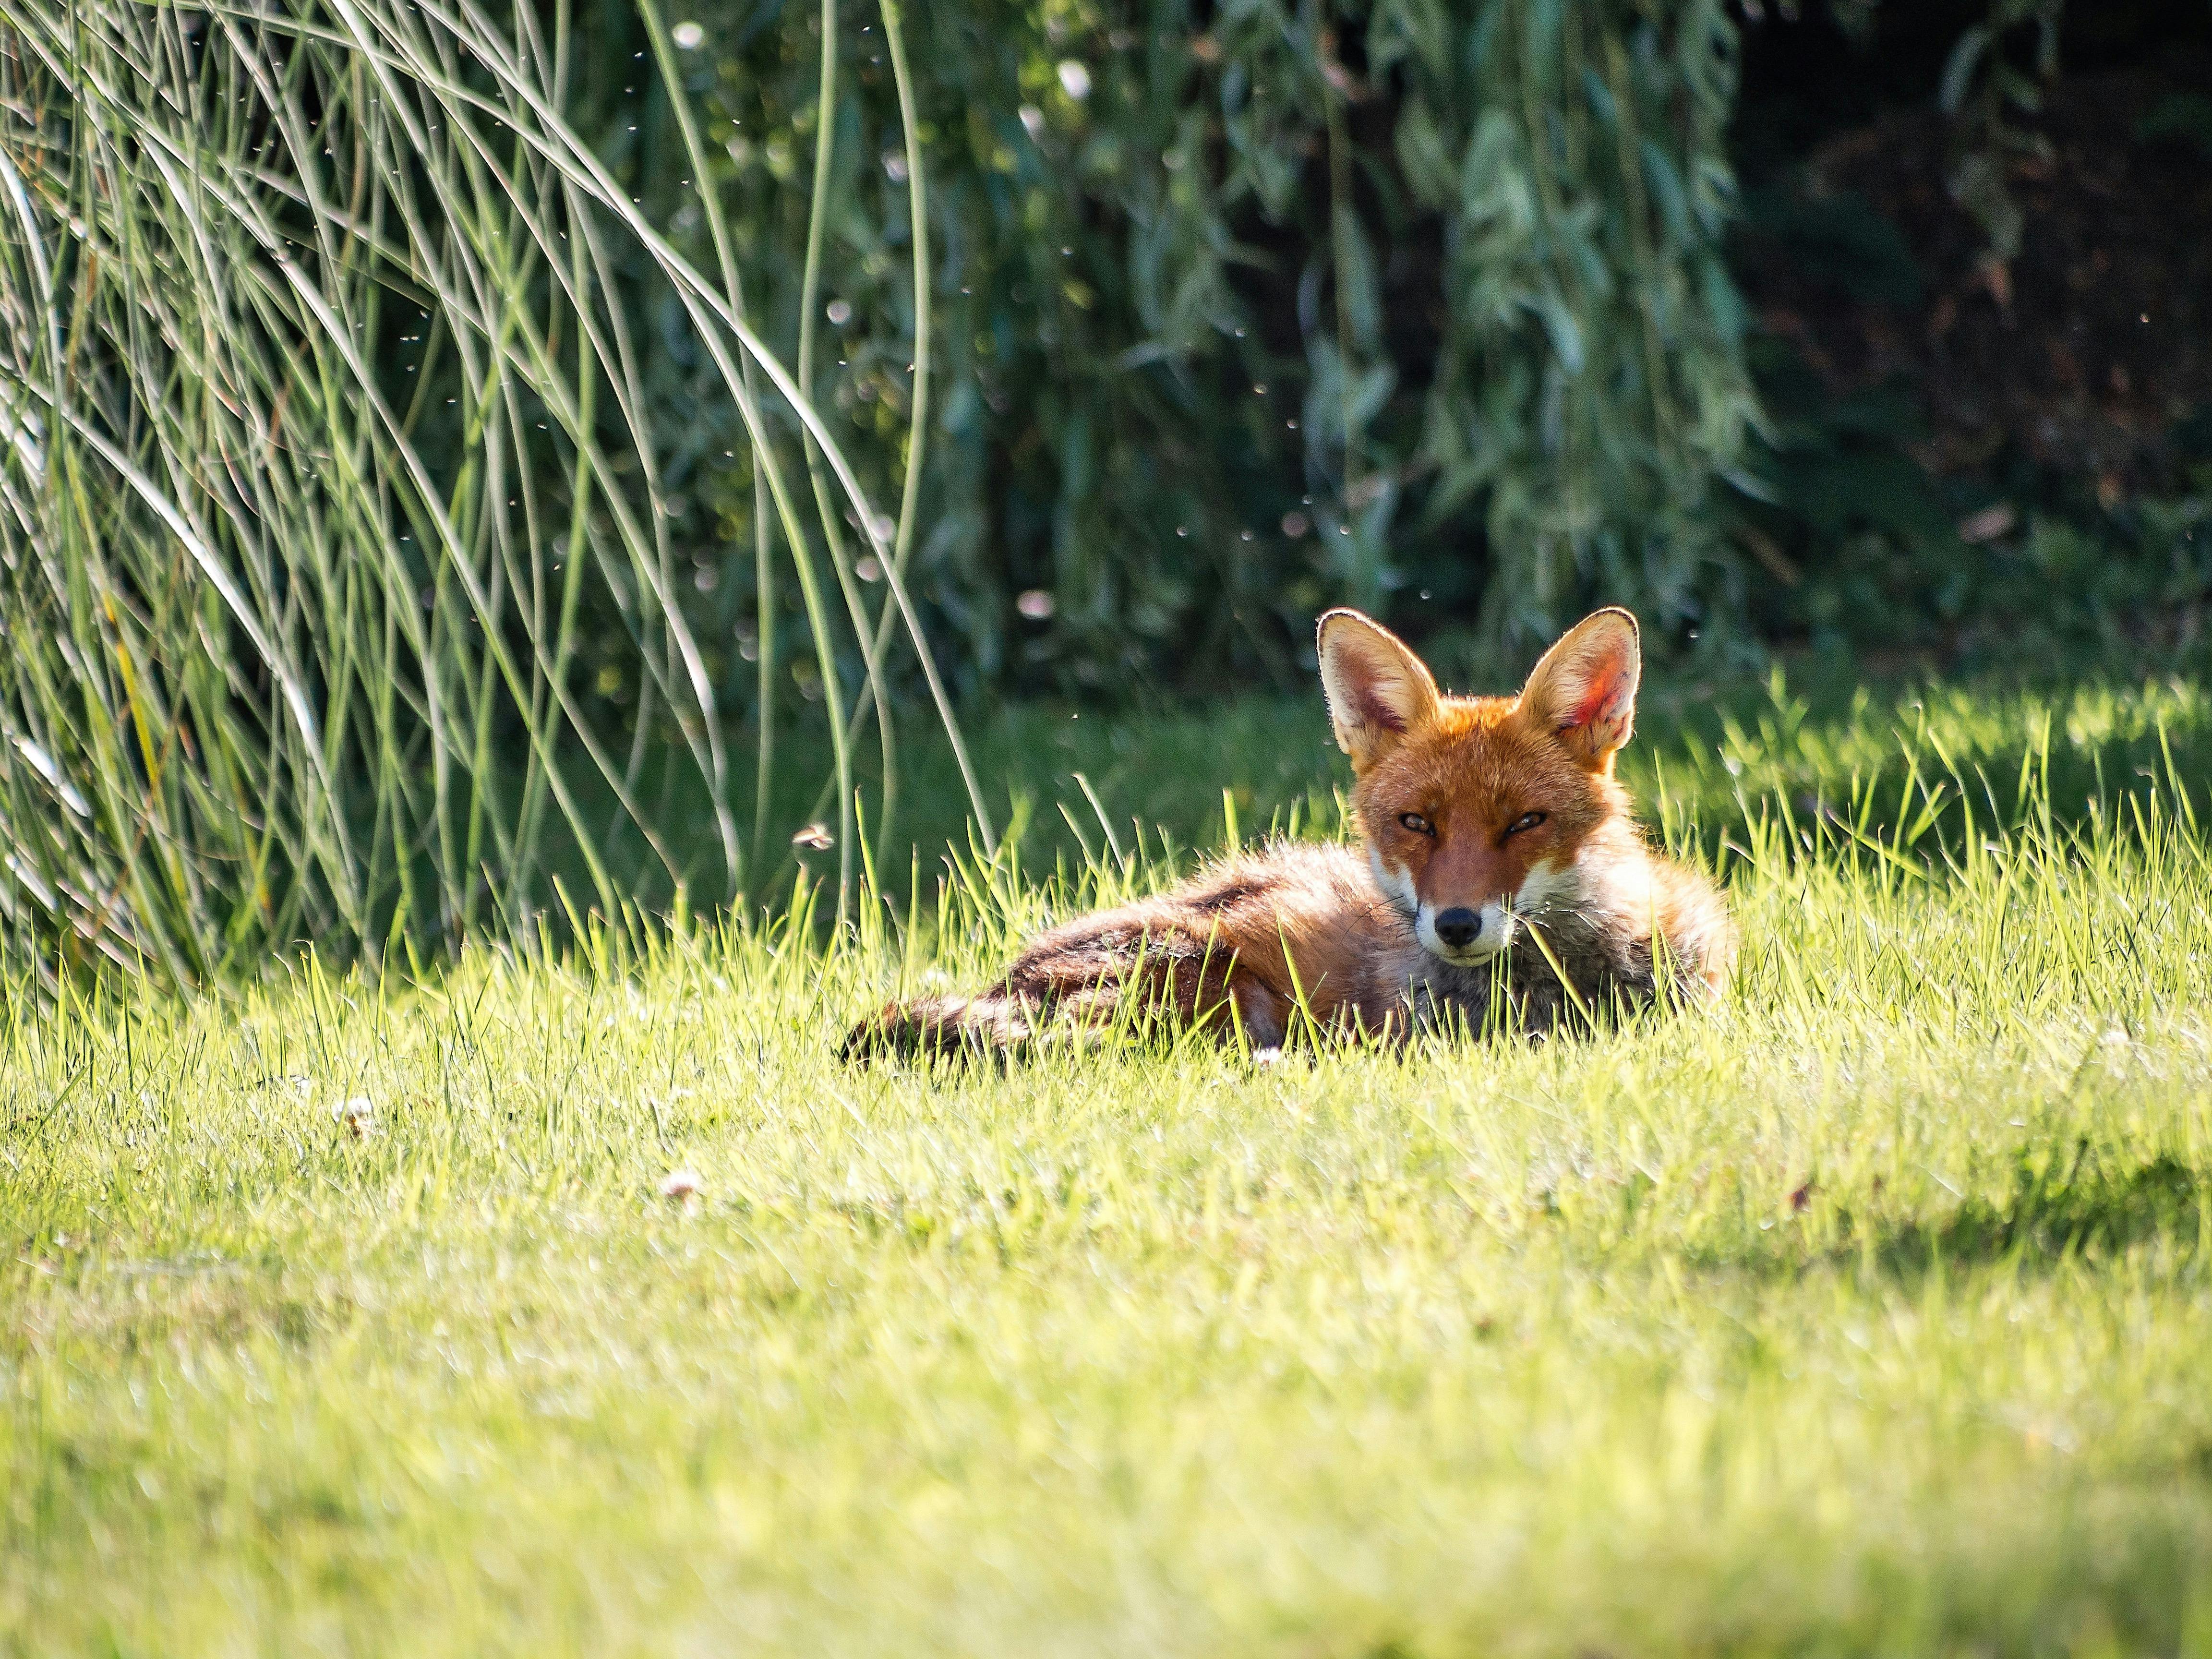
x=322 y=419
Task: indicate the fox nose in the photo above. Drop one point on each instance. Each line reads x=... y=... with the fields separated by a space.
x=1458 y=927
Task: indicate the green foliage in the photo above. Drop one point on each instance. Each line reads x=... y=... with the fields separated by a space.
x=1985 y=91
x=1878 y=534
x=1251 y=311
x=1864 y=1315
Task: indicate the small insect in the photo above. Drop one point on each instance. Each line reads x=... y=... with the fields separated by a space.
x=816 y=837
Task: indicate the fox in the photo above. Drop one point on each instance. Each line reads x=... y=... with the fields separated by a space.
x=1500 y=874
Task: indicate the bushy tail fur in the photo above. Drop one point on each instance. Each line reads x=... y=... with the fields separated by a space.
x=1076 y=983
x=941 y=1028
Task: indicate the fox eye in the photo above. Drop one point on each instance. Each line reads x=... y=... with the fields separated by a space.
x=1526 y=821
x=1417 y=824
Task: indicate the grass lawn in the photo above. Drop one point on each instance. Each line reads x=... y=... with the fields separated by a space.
x=1869 y=1313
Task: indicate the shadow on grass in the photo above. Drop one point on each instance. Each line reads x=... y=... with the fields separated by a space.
x=2044 y=1207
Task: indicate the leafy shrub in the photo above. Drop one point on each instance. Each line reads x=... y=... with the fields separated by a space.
x=1250 y=310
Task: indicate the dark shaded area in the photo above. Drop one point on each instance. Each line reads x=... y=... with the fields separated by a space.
x=2053 y=1201
x=2077 y=360
x=1970 y=454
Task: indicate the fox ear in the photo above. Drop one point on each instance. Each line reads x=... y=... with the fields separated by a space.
x=1584 y=691
x=1378 y=691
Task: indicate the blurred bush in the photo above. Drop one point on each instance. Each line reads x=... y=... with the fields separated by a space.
x=1247 y=310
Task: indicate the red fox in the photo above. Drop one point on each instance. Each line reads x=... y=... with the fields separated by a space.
x=1503 y=875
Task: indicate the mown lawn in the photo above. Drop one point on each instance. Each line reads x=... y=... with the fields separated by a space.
x=1869 y=1314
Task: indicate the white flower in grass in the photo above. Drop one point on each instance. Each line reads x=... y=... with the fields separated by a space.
x=358 y=1115
x=688 y=37
x=680 y=1186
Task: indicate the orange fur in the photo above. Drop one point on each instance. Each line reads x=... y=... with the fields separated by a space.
x=1503 y=874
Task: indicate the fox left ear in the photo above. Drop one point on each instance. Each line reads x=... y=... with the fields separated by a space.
x=1584 y=691
x=1378 y=689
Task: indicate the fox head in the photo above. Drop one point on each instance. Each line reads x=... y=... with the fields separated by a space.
x=1474 y=809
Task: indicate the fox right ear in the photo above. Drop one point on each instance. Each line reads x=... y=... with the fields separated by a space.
x=1378 y=691
x=1583 y=690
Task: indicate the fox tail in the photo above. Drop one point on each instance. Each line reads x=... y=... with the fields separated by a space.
x=942 y=1028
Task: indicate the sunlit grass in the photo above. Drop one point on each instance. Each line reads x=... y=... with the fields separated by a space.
x=1869 y=1313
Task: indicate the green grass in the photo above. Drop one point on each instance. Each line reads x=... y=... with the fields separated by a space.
x=1869 y=1313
